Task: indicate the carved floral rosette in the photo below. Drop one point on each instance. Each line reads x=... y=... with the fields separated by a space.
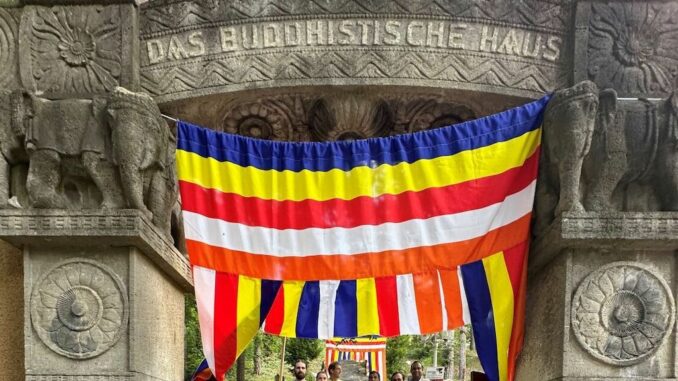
x=79 y=308
x=622 y=313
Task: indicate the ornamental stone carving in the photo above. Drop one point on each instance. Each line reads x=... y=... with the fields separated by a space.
x=622 y=312
x=631 y=46
x=348 y=117
x=79 y=308
x=263 y=119
x=8 y=48
x=71 y=50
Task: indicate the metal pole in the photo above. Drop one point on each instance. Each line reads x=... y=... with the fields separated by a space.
x=282 y=360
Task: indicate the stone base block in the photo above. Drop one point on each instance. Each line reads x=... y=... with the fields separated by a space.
x=103 y=296
x=603 y=308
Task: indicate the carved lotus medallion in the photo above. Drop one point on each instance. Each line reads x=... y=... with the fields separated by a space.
x=622 y=312
x=72 y=49
x=79 y=308
x=632 y=47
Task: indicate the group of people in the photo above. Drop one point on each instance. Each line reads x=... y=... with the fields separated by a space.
x=333 y=373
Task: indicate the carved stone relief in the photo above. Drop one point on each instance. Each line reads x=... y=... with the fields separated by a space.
x=337 y=116
x=79 y=308
x=111 y=152
x=630 y=46
x=622 y=312
x=8 y=49
x=74 y=50
x=211 y=46
x=609 y=154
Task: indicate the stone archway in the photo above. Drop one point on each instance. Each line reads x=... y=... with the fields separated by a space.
x=313 y=70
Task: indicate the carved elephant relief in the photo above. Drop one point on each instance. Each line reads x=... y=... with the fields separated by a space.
x=605 y=154
x=111 y=152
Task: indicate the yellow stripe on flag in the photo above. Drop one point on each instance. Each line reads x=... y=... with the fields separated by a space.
x=249 y=302
x=501 y=293
x=368 y=315
x=292 y=290
x=360 y=181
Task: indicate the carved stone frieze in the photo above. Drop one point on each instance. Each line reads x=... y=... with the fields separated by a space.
x=165 y=15
x=79 y=308
x=622 y=313
x=59 y=228
x=9 y=48
x=629 y=46
x=206 y=47
x=342 y=114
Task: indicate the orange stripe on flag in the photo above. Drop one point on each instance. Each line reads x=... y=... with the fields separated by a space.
x=429 y=306
x=365 y=265
x=455 y=313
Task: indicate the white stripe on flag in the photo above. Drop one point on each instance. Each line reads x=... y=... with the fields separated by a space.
x=466 y=314
x=204 y=281
x=362 y=239
x=407 y=305
x=442 y=302
x=328 y=296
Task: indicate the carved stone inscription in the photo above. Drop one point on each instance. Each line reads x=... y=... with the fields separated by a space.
x=622 y=313
x=356 y=32
x=79 y=308
x=350 y=49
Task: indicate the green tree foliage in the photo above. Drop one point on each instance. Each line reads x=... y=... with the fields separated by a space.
x=193 y=345
x=302 y=349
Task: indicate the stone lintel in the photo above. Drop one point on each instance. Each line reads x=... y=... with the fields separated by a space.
x=605 y=230
x=79 y=2
x=49 y=227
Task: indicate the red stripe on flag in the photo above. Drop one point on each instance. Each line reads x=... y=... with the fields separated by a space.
x=516 y=264
x=452 y=293
x=429 y=306
x=364 y=265
x=225 y=322
x=276 y=315
x=427 y=203
x=387 y=306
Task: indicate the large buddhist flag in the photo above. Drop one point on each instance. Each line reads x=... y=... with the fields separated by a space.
x=410 y=234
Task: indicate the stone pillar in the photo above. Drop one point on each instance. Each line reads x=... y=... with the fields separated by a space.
x=103 y=295
x=87 y=192
x=601 y=299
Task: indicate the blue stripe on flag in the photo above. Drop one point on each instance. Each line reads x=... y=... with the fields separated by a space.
x=269 y=290
x=323 y=156
x=482 y=317
x=346 y=310
x=309 y=307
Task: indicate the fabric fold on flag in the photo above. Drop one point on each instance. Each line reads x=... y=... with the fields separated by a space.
x=409 y=234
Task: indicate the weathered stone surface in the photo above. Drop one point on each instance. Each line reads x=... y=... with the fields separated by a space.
x=607 y=231
x=622 y=313
x=11 y=312
x=156 y=335
x=78 y=51
x=99 y=153
x=58 y=228
x=552 y=350
x=629 y=46
x=192 y=48
x=86 y=272
x=79 y=308
x=625 y=161
x=9 y=48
